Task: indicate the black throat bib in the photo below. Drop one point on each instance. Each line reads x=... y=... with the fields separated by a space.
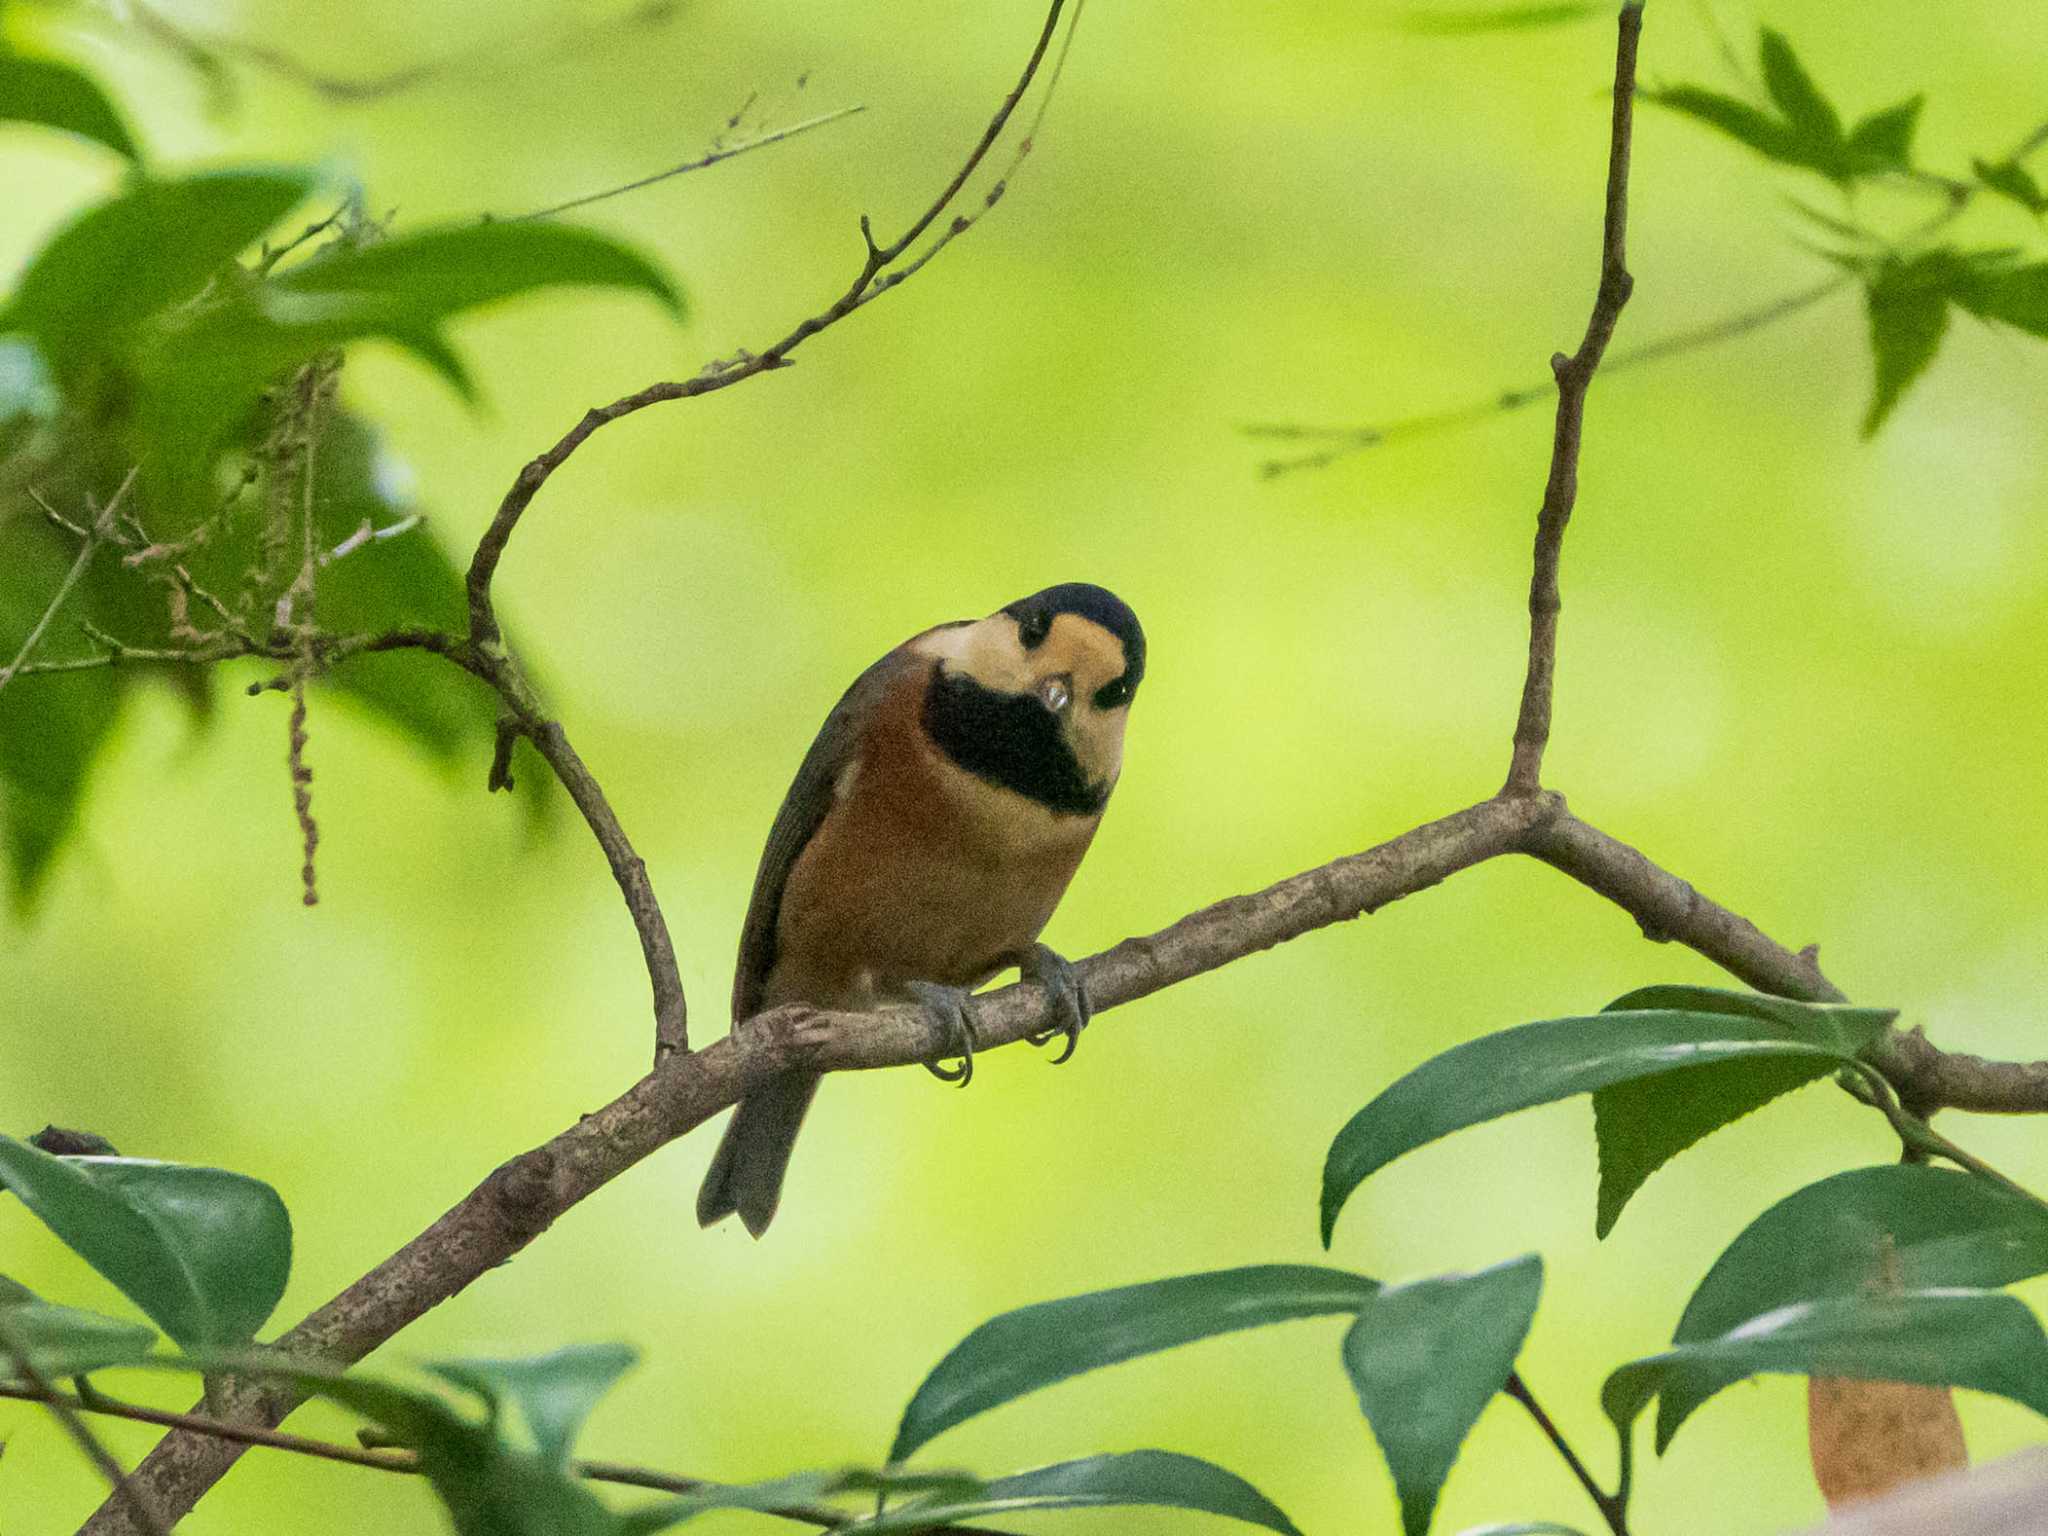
x=1007 y=739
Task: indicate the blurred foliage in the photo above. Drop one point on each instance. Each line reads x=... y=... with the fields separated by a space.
x=910 y=475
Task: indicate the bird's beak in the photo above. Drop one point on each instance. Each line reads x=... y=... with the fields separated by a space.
x=1055 y=693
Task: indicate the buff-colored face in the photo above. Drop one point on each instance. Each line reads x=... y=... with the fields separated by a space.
x=1067 y=671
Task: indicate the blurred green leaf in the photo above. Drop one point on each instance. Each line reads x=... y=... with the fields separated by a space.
x=1807 y=131
x=202 y=380
x=1883 y=141
x=54 y=94
x=2015 y=296
x=2009 y=178
x=1554 y=1059
x=68 y=1341
x=51 y=727
x=555 y=1392
x=1162 y=1479
x=1446 y=22
x=203 y=1252
x=153 y=246
x=1033 y=1347
x=1907 y=300
x=430 y=274
x=1938 y=1337
x=1811 y=117
x=1426 y=1358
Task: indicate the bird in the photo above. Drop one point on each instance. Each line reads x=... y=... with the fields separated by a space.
x=930 y=832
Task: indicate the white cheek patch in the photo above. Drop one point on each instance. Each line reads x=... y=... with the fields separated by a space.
x=843 y=785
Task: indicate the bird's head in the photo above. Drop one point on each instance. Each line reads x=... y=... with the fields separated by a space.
x=1034 y=697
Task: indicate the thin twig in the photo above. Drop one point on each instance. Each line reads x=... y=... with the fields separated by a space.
x=65 y=1410
x=710 y=158
x=1574 y=377
x=1613 y=1507
x=102 y=528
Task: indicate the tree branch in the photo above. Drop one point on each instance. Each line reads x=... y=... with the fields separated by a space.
x=126 y=1496
x=1574 y=377
x=724 y=373
x=102 y=529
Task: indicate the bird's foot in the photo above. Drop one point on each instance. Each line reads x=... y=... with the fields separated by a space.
x=954 y=1011
x=1068 y=993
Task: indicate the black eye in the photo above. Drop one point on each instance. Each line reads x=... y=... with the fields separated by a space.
x=1031 y=629
x=1113 y=695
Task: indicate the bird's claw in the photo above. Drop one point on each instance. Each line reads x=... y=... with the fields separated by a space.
x=955 y=1016
x=1068 y=995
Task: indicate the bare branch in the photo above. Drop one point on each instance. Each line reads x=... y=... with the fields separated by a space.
x=722 y=374
x=711 y=157
x=1574 y=377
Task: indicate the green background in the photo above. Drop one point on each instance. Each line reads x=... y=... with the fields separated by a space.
x=1801 y=670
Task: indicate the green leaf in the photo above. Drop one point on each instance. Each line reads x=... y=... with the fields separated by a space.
x=67 y=1341
x=1523 y=1528
x=1641 y=1125
x=1554 y=1059
x=1161 y=1479
x=1497 y=18
x=1908 y=306
x=2015 y=296
x=155 y=245
x=203 y=1252
x=1034 y=1347
x=1918 y=1228
x=54 y=94
x=1812 y=119
x=1883 y=141
x=1426 y=1358
x=1736 y=118
x=202 y=381
x=433 y=273
x=1939 y=1337
x=555 y=1392
x=2010 y=179
x=1849 y=1027
x=802 y=1488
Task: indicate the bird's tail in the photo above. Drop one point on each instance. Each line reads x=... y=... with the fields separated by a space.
x=746 y=1175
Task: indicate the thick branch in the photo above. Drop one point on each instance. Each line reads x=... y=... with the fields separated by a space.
x=518 y=1201
x=1574 y=377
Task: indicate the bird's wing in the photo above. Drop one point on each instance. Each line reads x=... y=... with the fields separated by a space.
x=803 y=809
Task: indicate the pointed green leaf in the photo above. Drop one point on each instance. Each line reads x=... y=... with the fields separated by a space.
x=153 y=246
x=1162 y=1479
x=2015 y=296
x=55 y=95
x=1812 y=118
x=68 y=1341
x=1933 y=1227
x=1426 y=1358
x=1883 y=141
x=2010 y=179
x=1446 y=22
x=555 y=1392
x=1034 y=1347
x=1555 y=1059
x=1908 y=305
x=1849 y=1027
x=1983 y=1340
x=1641 y=1125
x=1736 y=118
x=203 y=1252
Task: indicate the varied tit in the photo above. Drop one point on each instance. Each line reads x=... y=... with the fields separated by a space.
x=930 y=832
